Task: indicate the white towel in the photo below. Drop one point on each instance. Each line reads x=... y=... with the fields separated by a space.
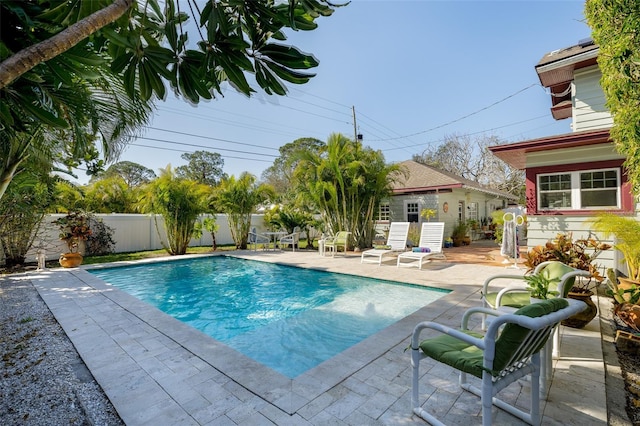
x=509 y=245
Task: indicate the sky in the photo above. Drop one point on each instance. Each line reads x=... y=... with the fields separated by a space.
x=411 y=72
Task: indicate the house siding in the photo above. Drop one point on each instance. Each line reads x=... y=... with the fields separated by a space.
x=486 y=205
x=544 y=228
x=589 y=109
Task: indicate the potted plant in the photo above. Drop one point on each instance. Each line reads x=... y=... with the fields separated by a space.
x=579 y=254
x=538 y=287
x=459 y=233
x=74 y=228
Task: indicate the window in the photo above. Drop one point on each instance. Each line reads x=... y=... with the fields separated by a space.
x=413 y=212
x=585 y=189
x=555 y=191
x=599 y=189
x=473 y=211
x=384 y=212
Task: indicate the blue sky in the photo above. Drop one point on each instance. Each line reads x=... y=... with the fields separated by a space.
x=407 y=67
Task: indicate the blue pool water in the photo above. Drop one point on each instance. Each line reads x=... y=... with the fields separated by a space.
x=290 y=319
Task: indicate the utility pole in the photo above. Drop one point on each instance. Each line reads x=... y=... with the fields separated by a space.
x=356 y=136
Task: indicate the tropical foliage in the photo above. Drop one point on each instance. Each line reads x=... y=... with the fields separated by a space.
x=345 y=182
x=616 y=30
x=579 y=254
x=210 y=225
x=280 y=173
x=74 y=228
x=110 y=195
x=626 y=231
x=179 y=201
x=74 y=70
x=239 y=198
x=21 y=212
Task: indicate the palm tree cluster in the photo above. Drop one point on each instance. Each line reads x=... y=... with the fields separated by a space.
x=345 y=182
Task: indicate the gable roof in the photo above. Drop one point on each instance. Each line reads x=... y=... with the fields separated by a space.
x=421 y=178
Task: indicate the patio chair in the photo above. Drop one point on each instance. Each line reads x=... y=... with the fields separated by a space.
x=255 y=238
x=333 y=243
x=508 y=351
x=396 y=242
x=516 y=296
x=292 y=238
x=430 y=246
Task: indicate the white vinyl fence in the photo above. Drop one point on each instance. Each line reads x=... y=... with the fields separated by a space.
x=132 y=232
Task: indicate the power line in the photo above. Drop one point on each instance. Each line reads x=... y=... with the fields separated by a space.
x=463 y=117
x=204 y=146
x=182 y=150
x=470 y=134
x=210 y=138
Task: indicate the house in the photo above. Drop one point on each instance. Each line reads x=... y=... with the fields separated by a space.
x=453 y=198
x=571 y=177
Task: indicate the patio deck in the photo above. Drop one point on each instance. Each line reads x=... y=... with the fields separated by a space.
x=158 y=371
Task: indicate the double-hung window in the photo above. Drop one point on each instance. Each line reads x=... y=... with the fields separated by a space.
x=384 y=213
x=413 y=211
x=579 y=190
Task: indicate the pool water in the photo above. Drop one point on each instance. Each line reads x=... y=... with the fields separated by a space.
x=289 y=319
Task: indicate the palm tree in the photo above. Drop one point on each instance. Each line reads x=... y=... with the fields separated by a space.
x=61 y=60
x=238 y=198
x=346 y=183
x=179 y=201
x=93 y=109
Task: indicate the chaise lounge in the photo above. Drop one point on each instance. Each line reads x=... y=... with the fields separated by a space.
x=396 y=242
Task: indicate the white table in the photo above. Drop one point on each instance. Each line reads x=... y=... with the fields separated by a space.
x=276 y=235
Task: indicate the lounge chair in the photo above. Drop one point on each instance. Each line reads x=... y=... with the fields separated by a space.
x=332 y=244
x=396 y=242
x=430 y=246
x=507 y=352
x=255 y=238
x=292 y=238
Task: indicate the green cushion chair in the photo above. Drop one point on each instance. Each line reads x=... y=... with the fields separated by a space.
x=516 y=296
x=333 y=243
x=509 y=350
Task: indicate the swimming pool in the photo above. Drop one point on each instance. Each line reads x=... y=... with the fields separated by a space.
x=289 y=319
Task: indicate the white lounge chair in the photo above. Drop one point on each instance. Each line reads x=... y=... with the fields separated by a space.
x=430 y=246
x=292 y=238
x=396 y=242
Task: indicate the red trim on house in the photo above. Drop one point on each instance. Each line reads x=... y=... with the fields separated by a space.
x=514 y=154
x=626 y=196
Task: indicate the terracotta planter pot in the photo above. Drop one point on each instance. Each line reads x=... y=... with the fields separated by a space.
x=583 y=318
x=70 y=260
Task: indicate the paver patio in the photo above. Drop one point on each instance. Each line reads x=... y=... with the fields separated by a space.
x=157 y=370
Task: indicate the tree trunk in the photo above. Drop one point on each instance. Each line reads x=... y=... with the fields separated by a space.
x=21 y=62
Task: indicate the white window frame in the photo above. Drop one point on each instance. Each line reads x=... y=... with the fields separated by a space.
x=576 y=190
x=406 y=209
x=473 y=211
x=384 y=212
